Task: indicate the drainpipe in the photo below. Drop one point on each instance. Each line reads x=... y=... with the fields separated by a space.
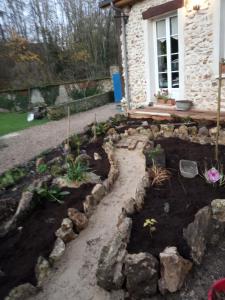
x=124 y=41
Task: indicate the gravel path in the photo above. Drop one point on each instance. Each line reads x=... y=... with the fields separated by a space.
x=75 y=277
x=24 y=145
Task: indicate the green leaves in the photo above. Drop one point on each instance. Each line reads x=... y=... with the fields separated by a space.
x=76 y=171
x=11 y=177
x=150 y=223
x=53 y=194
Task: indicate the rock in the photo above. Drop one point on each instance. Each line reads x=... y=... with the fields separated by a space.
x=218 y=210
x=167 y=130
x=141 y=271
x=174 y=269
x=89 y=205
x=138 y=129
x=110 y=265
x=83 y=159
x=212 y=132
x=130 y=206
x=193 y=130
x=58 y=250
x=197 y=233
x=65 y=232
x=22 y=292
x=42 y=270
x=166 y=208
x=98 y=192
x=183 y=130
x=144 y=123
x=203 y=131
x=97 y=156
x=148 y=132
x=154 y=129
x=131 y=131
x=79 y=219
x=115 y=138
x=111 y=131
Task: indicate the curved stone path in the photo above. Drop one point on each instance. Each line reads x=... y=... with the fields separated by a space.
x=75 y=277
x=22 y=146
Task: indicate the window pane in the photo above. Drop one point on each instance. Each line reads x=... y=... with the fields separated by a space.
x=175 y=62
x=173 y=26
x=163 y=81
x=174 y=44
x=161 y=29
x=162 y=61
x=175 y=80
x=161 y=47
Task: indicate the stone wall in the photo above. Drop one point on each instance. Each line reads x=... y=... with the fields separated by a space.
x=59 y=111
x=200 y=84
x=51 y=94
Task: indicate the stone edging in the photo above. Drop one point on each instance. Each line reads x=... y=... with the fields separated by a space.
x=43 y=267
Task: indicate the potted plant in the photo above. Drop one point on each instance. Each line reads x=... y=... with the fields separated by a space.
x=163 y=97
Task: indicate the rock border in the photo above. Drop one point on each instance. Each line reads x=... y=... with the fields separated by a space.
x=43 y=266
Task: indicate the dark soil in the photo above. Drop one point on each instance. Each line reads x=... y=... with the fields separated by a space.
x=185 y=198
x=20 y=250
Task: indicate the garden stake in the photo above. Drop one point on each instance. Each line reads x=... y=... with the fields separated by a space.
x=68 y=129
x=218 y=109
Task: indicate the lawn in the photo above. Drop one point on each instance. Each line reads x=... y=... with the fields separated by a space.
x=11 y=122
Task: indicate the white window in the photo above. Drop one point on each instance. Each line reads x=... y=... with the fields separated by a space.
x=167 y=52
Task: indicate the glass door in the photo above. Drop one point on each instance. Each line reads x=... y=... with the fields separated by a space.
x=167 y=49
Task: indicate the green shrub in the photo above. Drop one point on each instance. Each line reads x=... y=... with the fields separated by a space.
x=83 y=93
x=49 y=93
x=6 y=103
x=76 y=171
x=11 y=177
x=42 y=168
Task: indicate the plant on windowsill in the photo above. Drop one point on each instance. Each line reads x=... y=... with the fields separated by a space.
x=163 y=97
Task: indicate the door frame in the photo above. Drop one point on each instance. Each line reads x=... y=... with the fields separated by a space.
x=150 y=54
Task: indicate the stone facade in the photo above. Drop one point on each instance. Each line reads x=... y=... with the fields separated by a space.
x=200 y=84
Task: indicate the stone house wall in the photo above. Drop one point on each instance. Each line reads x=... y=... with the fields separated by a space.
x=200 y=84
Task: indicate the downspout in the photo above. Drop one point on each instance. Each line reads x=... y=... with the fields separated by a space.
x=124 y=41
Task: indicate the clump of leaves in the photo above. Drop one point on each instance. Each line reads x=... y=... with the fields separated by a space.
x=56 y=170
x=158 y=175
x=76 y=171
x=150 y=223
x=155 y=152
x=53 y=194
x=11 y=177
x=42 y=168
x=100 y=129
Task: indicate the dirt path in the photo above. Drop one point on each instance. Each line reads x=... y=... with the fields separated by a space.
x=24 y=145
x=75 y=278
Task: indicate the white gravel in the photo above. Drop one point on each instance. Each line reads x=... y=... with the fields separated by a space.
x=26 y=144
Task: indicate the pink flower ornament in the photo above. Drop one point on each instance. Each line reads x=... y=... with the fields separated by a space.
x=213 y=175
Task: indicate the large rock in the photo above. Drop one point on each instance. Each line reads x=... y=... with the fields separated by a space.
x=218 y=209
x=22 y=292
x=110 y=265
x=174 y=269
x=98 y=192
x=42 y=270
x=141 y=272
x=58 y=250
x=79 y=219
x=167 y=130
x=65 y=232
x=197 y=233
x=203 y=131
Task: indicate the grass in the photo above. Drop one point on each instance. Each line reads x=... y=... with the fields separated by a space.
x=11 y=122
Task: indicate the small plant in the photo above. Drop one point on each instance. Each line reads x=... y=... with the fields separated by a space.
x=154 y=152
x=100 y=129
x=162 y=94
x=76 y=171
x=11 y=177
x=53 y=194
x=56 y=170
x=158 y=175
x=42 y=168
x=150 y=223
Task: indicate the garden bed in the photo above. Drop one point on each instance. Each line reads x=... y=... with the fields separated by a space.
x=185 y=197
x=35 y=234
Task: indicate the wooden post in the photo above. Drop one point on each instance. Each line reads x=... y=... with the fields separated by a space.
x=218 y=109
x=68 y=129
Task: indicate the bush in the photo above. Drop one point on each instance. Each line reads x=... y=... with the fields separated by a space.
x=80 y=94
